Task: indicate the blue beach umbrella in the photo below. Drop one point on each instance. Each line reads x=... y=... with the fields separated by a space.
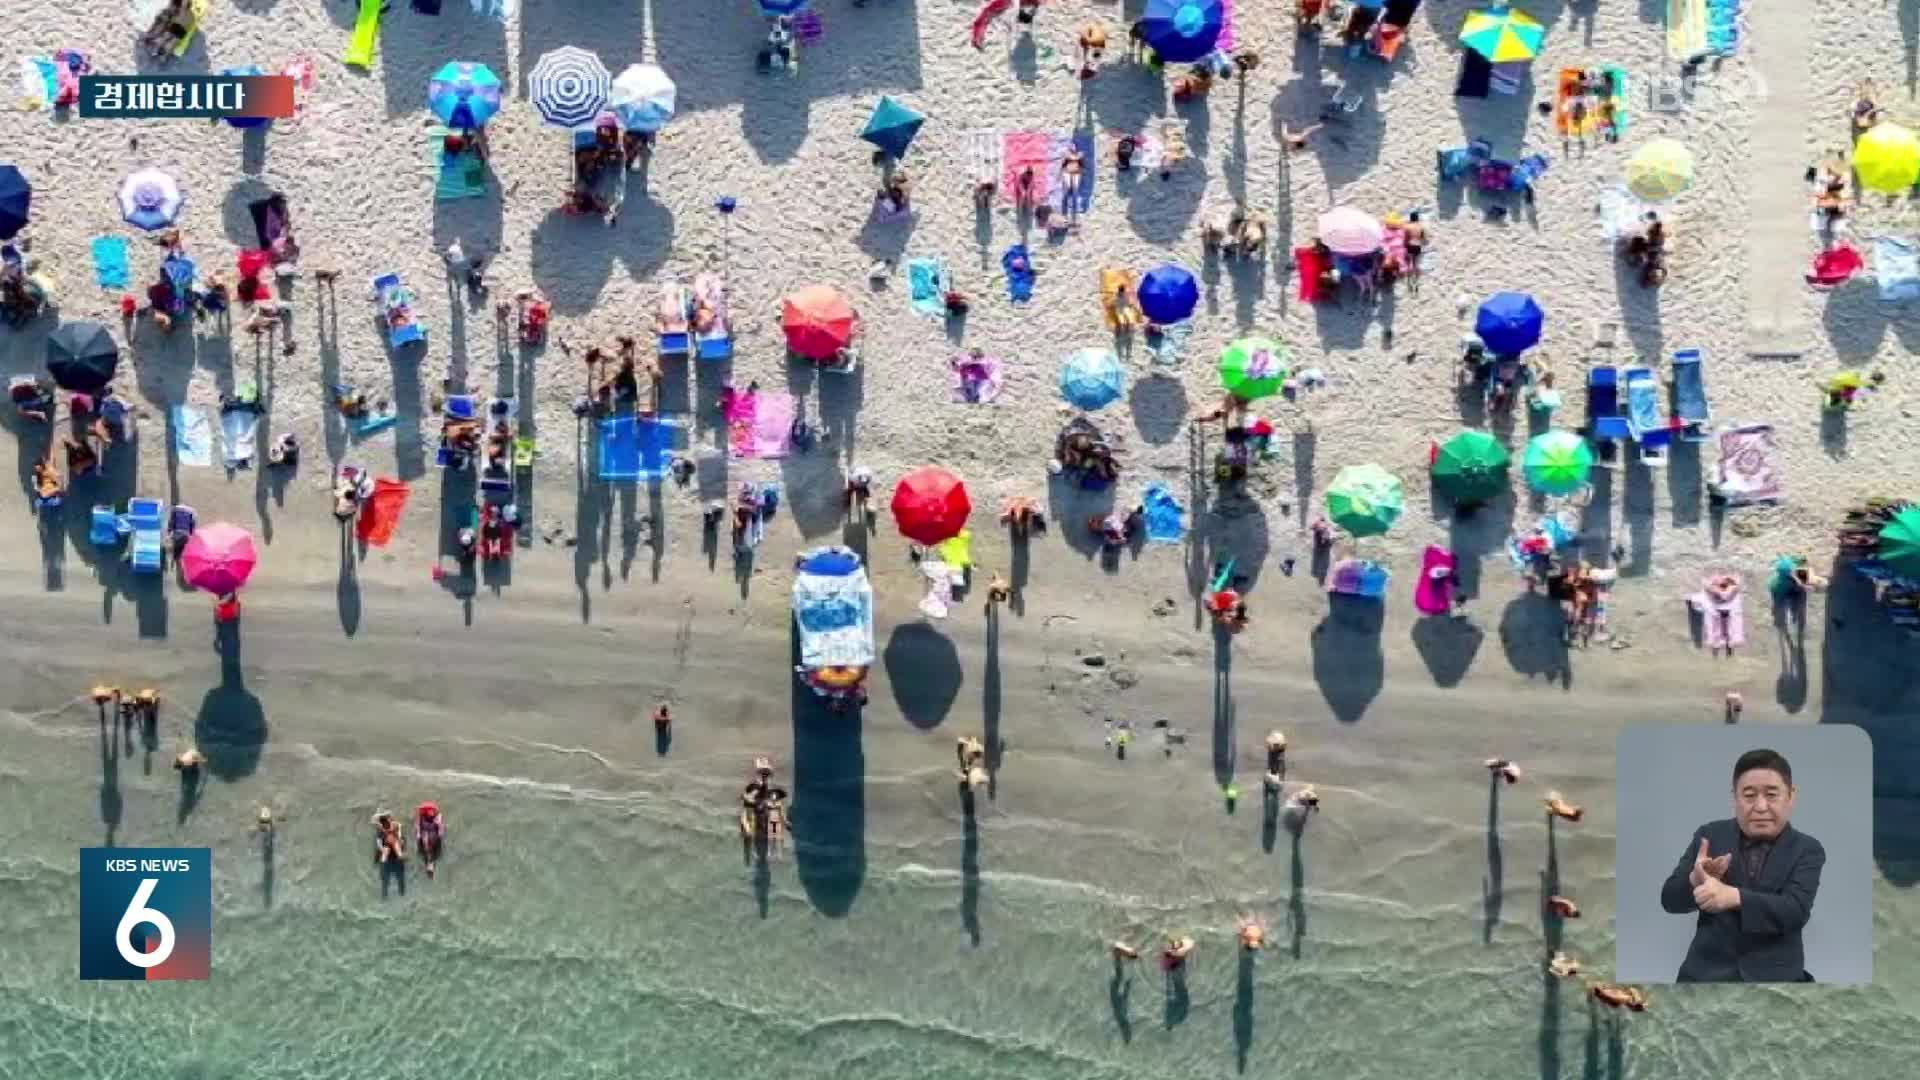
x=150 y=199
x=643 y=97
x=1181 y=31
x=1090 y=379
x=1168 y=294
x=16 y=196
x=771 y=8
x=464 y=95
x=892 y=126
x=247 y=121
x=1509 y=323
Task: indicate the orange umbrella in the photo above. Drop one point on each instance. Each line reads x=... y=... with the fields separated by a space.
x=819 y=321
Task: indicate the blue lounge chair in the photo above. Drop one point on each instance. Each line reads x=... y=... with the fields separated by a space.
x=104 y=531
x=1690 y=396
x=1643 y=403
x=396 y=311
x=148 y=519
x=1529 y=169
x=1605 y=420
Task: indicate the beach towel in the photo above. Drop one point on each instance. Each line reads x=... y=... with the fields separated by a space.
x=927 y=287
x=1835 y=267
x=380 y=512
x=1164 y=342
x=1019 y=151
x=976 y=381
x=983 y=155
x=1310 y=266
x=110 y=262
x=37 y=83
x=807 y=27
x=1224 y=42
x=1725 y=624
x=760 y=425
x=1686 y=29
x=1431 y=595
x=1166 y=518
x=192 y=436
x=1896 y=266
x=1723 y=26
x=238 y=428
x=456 y=176
x=1079 y=200
x=1748 y=471
x=939 y=598
x=1019 y=268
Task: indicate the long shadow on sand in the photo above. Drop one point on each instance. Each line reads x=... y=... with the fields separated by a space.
x=923 y=668
x=1222 y=705
x=1868 y=680
x=231 y=728
x=1243 y=1011
x=1348 y=664
x=969 y=866
x=829 y=799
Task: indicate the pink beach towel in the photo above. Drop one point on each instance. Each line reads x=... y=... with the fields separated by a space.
x=1725 y=624
x=976 y=382
x=1020 y=150
x=1434 y=595
x=760 y=425
x=1225 y=41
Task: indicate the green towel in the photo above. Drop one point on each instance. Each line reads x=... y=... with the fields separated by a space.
x=457 y=176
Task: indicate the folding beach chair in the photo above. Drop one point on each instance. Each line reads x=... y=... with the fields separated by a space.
x=716 y=342
x=458 y=410
x=496 y=475
x=147 y=518
x=104 y=529
x=1643 y=416
x=1690 y=396
x=675 y=333
x=1529 y=169
x=1606 y=422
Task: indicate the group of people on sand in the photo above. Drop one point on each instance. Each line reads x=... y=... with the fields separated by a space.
x=96 y=422
x=389 y=838
x=763 y=812
x=611 y=150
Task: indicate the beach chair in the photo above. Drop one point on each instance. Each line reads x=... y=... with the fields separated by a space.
x=396 y=311
x=1690 y=407
x=1643 y=417
x=1526 y=171
x=1606 y=423
x=103 y=531
x=675 y=333
x=458 y=413
x=983 y=157
x=1117 y=301
x=710 y=294
x=496 y=474
x=147 y=519
x=1458 y=163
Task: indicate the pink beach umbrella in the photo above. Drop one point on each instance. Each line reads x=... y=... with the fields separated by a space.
x=219 y=558
x=1348 y=230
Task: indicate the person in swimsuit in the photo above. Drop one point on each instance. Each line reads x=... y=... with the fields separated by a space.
x=429 y=832
x=388 y=846
x=1561 y=808
x=1503 y=768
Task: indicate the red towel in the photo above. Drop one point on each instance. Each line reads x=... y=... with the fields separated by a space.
x=1835 y=266
x=381 y=515
x=1310 y=266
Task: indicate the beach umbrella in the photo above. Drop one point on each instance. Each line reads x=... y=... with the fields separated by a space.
x=218 y=558
x=818 y=321
x=1557 y=463
x=1509 y=323
x=1502 y=34
x=1660 y=170
x=1090 y=379
x=1181 y=31
x=464 y=95
x=892 y=126
x=1470 y=468
x=1899 y=543
x=247 y=121
x=569 y=86
x=150 y=199
x=1887 y=159
x=1253 y=368
x=1365 y=500
x=643 y=97
x=16 y=196
x=930 y=506
x=82 y=357
x=1168 y=294
x=773 y=8
x=1348 y=230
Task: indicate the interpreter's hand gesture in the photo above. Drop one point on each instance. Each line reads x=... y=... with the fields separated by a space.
x=1707 y=867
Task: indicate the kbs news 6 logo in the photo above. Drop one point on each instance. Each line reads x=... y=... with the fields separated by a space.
x=145 y=913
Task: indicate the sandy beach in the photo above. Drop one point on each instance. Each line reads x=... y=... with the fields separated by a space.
x=594 y=916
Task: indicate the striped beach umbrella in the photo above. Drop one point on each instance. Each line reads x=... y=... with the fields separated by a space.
x=464 y=95
x=1503 y=34
x=150 y=199
x=569 y=86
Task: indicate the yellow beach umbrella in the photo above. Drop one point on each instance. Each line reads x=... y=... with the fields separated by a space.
x=1660 y=170
x=1887 y=159
x=1502 y=34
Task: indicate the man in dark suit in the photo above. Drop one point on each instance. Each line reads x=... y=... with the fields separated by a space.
x=1754 y=896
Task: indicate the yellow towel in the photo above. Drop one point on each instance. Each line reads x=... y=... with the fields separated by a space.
x=957 y=553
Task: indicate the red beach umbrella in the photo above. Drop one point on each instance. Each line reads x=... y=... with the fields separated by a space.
x=819 y=321
x=218 y=558
x=931 y=505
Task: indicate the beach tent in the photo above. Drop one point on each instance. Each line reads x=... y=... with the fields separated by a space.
x=819 y=321
x=1181 y=31
x=1509 y=323
x=892 y=126
x=1253 y=368
x=1365 y=500
x=643 y=97
x=464 y=95
x=569 y=86
x=1887 y=159
x=16 y=197
x=931 y=506
x=1091 y=379
x=1168 y=294
x=1502 y=34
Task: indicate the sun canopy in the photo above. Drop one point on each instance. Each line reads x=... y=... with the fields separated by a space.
x=16 y=197
x=1365 y=500
x=1887 y=159
x=1510 y=323
x=833 y=608
x=218 y=558
x=1660 y=170
x=1168 y=294
x=82 y=357
x=931 y=506
x=643 y=97
x=1557 y=463
x=818 y=321
x=892 y=126
x=1254 y=367
x=1348 y=230
x=150 y=199
x=1470 y=468
x=1091 y=379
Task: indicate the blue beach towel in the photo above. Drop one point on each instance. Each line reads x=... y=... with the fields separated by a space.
x=1082 y=195
x=927 y=287
x=634 y=448
x=1166 y=518
x=1019 y=281
x=110 y=262
x=192 y=437
x=456 y=176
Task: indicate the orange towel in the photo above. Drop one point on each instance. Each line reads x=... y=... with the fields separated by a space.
x=381 y=515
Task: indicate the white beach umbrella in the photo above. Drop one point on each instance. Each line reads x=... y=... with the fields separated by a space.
x=643 y=98
x=150 y=199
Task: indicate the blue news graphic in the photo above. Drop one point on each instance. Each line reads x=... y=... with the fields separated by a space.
x=146 y=913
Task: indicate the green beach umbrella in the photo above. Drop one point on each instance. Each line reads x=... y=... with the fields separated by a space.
x=1900 y=543
x=1365 y=500
x=1253 y=368
x=1557 y=463
x=1470 y=468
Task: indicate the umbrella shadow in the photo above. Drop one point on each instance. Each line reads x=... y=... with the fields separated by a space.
x=1533 y=634
x=231 y=727
x=1348 y=663
x=1883 y=701
x=923 y=668
x=829 y=798
x=1447 y=646
x=1159 y=407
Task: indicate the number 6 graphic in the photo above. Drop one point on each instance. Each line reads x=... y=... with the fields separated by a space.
x=138 y=912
